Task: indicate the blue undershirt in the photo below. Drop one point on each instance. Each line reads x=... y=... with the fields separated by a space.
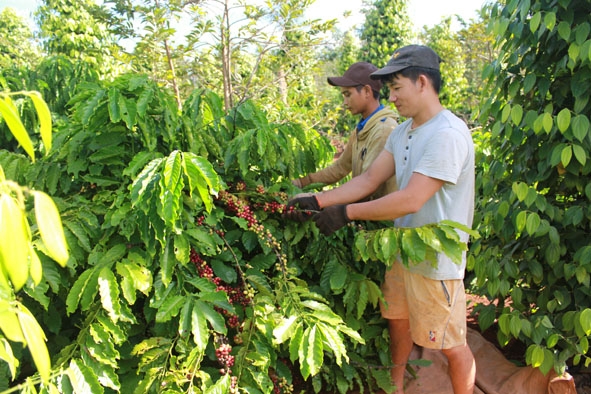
x=362 y=123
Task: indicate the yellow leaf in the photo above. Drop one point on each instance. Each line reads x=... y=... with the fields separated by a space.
x=35 y=338
x=35 y=267
x=9 y=324
x=44 y=119
x=14 y=241
x=10 y=115
x=50 y=227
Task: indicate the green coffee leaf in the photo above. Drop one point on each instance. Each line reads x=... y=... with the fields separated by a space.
x=128 y=111
x=170 y=308
x=339 y=277
x=202 y=178
x=362 y=299
x=199 y=328
x=334 y=341
x=143 y=101
x=80 y=232
x=105 y=373
x=100 y=345
x=315 y=351
x=134 y=277
x=413 y=246
x=168 y=263
x=172 y=188
x=82 y=378
x=75 y=293
x=285 y=330
x=215 y=319
x=296 y=342
x=373 y=292
x=222 y=386
x=109 y=293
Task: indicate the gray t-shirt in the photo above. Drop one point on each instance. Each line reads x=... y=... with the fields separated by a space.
x=441 y=148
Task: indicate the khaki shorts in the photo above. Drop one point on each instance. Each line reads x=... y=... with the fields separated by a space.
x=436 y=309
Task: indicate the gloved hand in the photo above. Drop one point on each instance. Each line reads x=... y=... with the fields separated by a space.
x=331 y=219
x=301 y=207
x=297 y=182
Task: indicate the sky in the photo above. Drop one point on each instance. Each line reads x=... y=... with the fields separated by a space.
x=421 y=12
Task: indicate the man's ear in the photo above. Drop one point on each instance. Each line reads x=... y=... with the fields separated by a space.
x=424 y=82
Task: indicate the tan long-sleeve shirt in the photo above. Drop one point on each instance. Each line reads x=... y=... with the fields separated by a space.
x=360 y=151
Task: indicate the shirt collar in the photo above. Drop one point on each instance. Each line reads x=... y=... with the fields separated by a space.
x=362 y=123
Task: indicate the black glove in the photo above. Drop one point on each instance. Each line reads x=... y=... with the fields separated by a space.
x=301 y=209
x=331 y=219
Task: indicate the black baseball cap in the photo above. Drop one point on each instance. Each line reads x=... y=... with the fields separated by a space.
x=357 y=74
x=409 y=56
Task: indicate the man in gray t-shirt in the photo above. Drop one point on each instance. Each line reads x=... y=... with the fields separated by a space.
x=441 y=148
x=432 y=156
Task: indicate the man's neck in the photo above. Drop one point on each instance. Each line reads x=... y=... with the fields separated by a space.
x=426 y=114
x=370 y=109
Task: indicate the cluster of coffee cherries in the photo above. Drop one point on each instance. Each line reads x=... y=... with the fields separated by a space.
x=241 y=209
x=234 y=385
x=280 y=384
x=239 y=295
x=238 y=207
x=224 y=357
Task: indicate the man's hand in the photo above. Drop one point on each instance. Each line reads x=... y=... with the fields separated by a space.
x=301 y=207
x=331 y=219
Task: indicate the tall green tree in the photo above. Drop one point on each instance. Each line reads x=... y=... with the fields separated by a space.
x=478 y=48
x=17 y=46
x=386 y=28
x=78 y=29
x=337 y=57
x=533 y=185
x=443 y=40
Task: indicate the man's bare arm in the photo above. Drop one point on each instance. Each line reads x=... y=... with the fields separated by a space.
x=419 y=190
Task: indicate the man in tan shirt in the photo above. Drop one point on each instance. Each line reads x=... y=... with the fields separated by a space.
x=361 y=97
